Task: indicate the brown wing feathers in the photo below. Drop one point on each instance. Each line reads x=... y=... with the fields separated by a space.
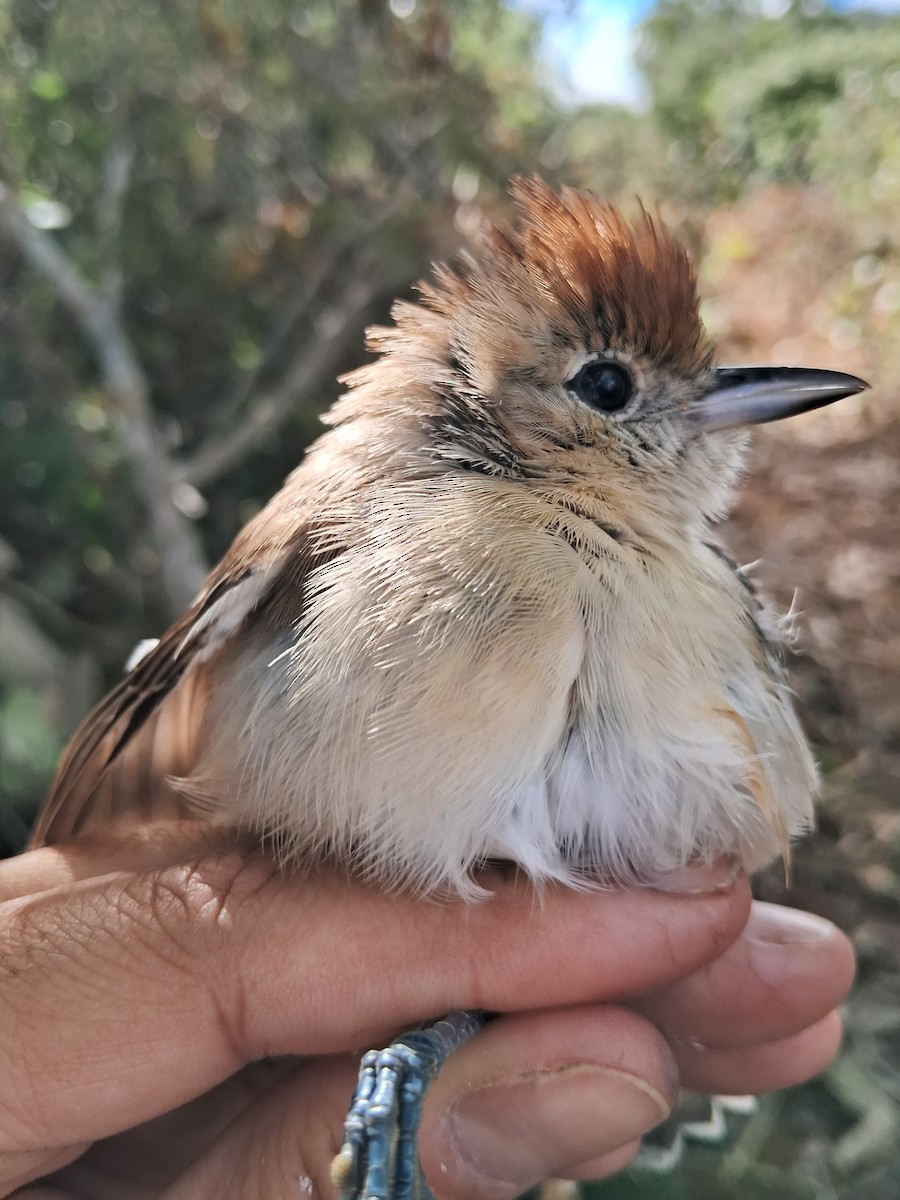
x=119 y=763
x=94 y=785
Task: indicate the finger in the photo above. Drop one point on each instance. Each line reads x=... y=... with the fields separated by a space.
x=157 y=986
x=282 y=1147
x=17 y=1168
x=786 y=971
x=133 y=1159
x=142 y=848
x=529 y=1095
x=765 y=1068
x=606 y=1165
x=536 y=1094
x=39 y=1192
x=509 y=953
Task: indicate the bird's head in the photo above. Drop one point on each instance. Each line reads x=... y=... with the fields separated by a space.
x=568 y=350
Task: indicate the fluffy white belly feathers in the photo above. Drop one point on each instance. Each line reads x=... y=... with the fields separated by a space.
x=583 y=704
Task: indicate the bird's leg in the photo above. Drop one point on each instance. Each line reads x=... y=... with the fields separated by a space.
x=378 y=1159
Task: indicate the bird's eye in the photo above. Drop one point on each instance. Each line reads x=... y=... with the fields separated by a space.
x=606 y=386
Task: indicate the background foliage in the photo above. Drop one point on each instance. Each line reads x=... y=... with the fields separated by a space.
x=203 y=204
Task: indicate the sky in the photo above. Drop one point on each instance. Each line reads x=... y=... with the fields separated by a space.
x=591 y=43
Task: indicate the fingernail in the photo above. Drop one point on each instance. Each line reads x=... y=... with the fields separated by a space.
x=704 y=877
x=520 y=1132
x=775 y=925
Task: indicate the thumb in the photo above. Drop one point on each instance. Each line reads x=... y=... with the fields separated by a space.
x=533 y=1095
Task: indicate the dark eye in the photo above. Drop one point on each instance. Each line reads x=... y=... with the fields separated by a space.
x=606 y=386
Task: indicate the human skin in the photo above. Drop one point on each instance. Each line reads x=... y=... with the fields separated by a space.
x=143 y=978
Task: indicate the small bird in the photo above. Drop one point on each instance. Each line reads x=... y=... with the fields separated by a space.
x=486 y=618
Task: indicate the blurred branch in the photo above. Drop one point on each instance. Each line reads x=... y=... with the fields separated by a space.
x=312 y=369
x=99 y=318
x=116 y=173
x=335 y=257
x=48 y=260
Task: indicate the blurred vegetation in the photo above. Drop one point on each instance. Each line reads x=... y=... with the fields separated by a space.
x=203 y=204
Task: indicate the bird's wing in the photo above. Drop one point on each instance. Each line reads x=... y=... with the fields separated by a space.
x=117 y=767
x=97 y=784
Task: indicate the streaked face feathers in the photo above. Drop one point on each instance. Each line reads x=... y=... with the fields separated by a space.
x=566 y=351
x=493 y=357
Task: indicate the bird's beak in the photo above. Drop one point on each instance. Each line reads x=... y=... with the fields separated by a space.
x=753 y=395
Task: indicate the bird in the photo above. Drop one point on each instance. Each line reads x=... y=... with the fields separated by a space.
x=487 y=617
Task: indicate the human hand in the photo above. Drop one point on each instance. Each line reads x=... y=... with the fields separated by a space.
x=140 y=976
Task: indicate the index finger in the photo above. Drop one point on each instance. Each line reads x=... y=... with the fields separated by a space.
x=124 y=996
x=140 y=848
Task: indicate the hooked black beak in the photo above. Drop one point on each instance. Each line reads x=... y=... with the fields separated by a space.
x=753 y=395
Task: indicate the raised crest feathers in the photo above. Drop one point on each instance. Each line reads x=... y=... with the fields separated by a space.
x=590 y=267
